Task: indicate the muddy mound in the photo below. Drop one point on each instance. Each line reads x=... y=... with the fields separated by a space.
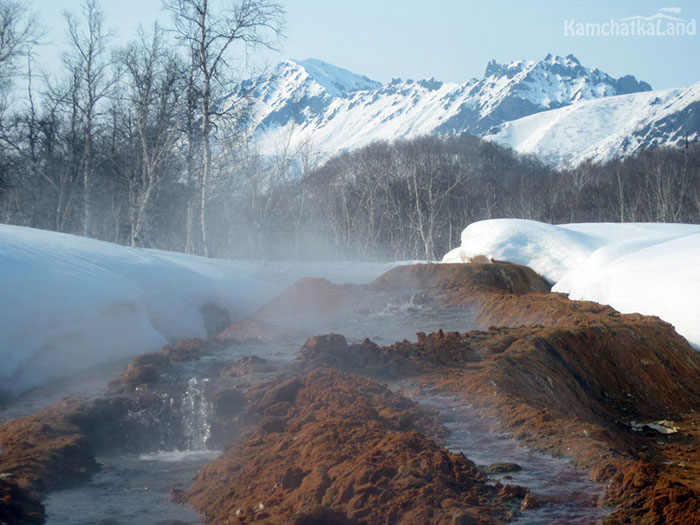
x=313 y=306
x=634 y=367
x=495 y=277
x=499 y=294
x=336 y=448
x=552 y=309
x=616 y=370
x=45 y=451
x=617 y=393
x=296 y=312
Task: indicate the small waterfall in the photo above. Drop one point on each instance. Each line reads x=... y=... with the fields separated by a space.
x=196 y=415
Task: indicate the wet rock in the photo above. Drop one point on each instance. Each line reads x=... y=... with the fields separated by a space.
x=158 y=360
x=322 y=345
x=329 y=350
x=103 y=421
x=502 y=468
x=228 y=402
x=286 y=391
x=140 y=375
x=228 y=407
x=530 y=501
x=510 y=492
x=190 y=349
x=18 y=505
x=142 y=370
x=245 y=366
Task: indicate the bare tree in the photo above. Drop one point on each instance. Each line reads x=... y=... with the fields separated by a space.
x=209 y=35
x=156 y=87
x=19 y=32
x=90 y=66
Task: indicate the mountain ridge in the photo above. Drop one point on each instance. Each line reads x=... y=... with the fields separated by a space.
x=327 y=109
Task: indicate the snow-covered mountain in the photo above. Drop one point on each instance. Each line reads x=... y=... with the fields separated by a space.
x=328 y=109
x=602 y=129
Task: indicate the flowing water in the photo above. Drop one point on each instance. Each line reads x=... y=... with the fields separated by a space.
x=136 y=488
x=131 y=489
x=568 y=496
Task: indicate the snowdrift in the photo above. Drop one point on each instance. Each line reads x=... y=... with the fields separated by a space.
x=647 y=268
x=68 y=302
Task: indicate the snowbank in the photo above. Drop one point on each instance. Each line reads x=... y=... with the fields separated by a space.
x=634 y=267
x=68 y=302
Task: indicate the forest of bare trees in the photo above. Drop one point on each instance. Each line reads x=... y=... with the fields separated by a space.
x=134 y=145
x=125 y=132
x=412 y=198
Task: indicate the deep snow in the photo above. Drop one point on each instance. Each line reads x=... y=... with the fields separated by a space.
x=647 y=268
x=68 y=302
x=598 y=130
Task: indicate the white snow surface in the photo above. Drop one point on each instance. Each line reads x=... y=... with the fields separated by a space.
x=68 y=302
x=648 y=268
x=336 y=80
x=596 y=130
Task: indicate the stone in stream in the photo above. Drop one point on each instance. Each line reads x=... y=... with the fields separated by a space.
x=502 y=468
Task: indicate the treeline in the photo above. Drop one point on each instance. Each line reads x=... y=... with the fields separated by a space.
x=412 y=198
x=136 y=145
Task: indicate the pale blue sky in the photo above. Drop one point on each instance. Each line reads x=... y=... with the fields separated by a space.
x=451 y=40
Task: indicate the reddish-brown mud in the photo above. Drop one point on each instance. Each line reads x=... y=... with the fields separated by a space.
x=40 y=453
x=338 y=448
x=580 y=383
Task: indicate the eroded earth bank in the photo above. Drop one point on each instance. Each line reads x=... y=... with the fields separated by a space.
x=318 y=404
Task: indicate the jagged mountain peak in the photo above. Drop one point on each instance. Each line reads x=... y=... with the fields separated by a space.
x=336 y=81
x=311 y=102
x=568 y=68
x=570 y=62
